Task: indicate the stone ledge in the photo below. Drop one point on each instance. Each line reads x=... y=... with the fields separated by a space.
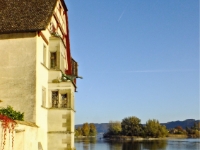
x=52 y=108
x=60 y=132
x=31 y=124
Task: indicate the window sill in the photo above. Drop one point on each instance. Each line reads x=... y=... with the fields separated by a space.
x=61 y=108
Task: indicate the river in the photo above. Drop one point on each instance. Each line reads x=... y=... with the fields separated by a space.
x=168 y=144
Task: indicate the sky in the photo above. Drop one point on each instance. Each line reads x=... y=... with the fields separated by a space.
x=137 y=58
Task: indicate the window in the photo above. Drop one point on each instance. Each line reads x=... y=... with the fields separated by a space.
x=59 y=8
x=64 y=100
x=43 y=96
x=60 y=99
x=74 y=67
x=52 y=28
x=55 y=99
x=53 y=60
x=44 y=55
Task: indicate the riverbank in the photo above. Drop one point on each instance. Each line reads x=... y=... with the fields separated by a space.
x=178 y=136
x=135 y=138
x=131 y=138
x=84 y=136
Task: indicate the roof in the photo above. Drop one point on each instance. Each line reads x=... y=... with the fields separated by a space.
x=25 y=15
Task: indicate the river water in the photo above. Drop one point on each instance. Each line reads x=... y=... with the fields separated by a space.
x=169 y=144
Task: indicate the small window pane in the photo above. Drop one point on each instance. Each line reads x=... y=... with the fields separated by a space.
x=53 y=60
x=55 y=99
x=43 y=97
x=64 y=100
x=44 y=55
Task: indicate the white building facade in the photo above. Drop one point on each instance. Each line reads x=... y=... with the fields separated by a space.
x=37 y=72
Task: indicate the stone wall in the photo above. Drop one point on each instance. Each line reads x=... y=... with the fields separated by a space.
x=18 y=72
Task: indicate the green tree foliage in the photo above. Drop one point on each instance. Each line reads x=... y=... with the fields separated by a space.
x=9 y=112
x=131 y=126
x=78 y=131
x=114 y=128
x=93 y=131
x=85 y=129
x=179 y=130
x=154 y=129
x=194 y=131
x=196 y=126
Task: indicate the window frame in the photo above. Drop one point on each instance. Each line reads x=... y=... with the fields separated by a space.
x=55 y=60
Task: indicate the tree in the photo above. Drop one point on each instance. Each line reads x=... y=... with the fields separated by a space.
x=131 y=126
x=114 y=128
x=78 y=131
x=196 y=126
x=93 y=131
x=179 y=130
x=154 y=129
x=85 y=129
x=194 y=130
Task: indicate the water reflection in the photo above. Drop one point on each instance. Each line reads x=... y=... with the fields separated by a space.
x=131 y=145
x=149 y=145
x=155 y=145
x=115 y=146
x=88 y=143
x=184 y=144
x=100 y=144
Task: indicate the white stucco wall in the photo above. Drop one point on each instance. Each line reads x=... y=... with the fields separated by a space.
x=41 y=84
x=17 y=72
x=25 y=137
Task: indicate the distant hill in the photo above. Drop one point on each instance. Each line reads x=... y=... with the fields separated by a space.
x=103 y=127
x=183 y=124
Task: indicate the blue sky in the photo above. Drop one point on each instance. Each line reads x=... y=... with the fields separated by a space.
x=137 y=58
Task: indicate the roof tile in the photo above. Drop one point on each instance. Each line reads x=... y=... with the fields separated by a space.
x=25 y=15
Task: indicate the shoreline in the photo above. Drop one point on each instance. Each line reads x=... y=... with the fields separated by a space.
x=85 y=136
x=133 y=138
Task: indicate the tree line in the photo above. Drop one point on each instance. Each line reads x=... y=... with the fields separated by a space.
x=86 y=130
x=131 y=126
x=193 y=131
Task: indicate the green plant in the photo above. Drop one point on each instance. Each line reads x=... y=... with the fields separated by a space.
x=14 y=115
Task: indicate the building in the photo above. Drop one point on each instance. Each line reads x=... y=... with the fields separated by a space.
x=37 y=73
